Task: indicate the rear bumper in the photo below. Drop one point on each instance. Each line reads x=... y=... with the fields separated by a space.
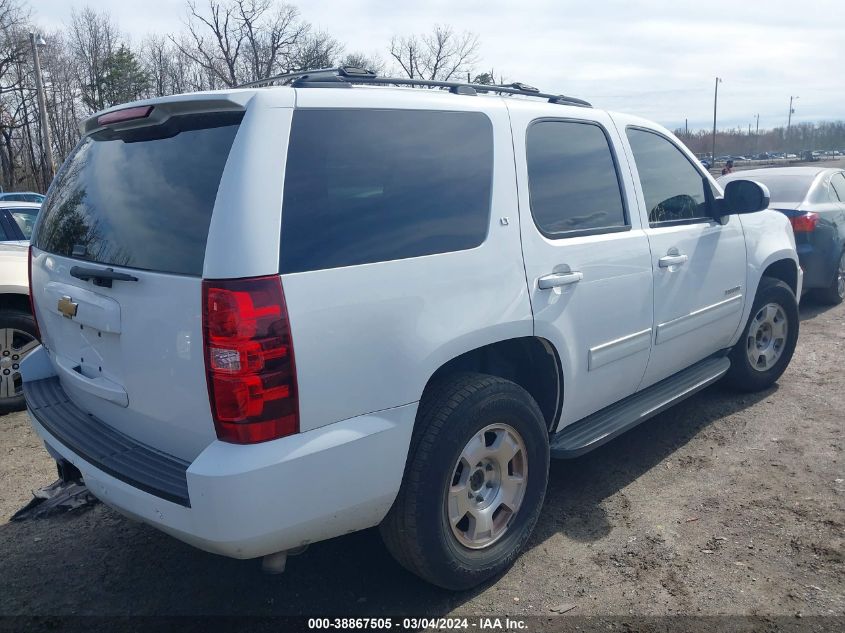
x=248 y=501
x=819 y=262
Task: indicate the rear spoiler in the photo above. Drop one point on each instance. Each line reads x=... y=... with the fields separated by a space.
x=157 y=111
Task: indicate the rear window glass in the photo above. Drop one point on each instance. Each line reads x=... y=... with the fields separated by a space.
x=140 y=198
x=25 y=219
x=784 y=188
x=366 y=186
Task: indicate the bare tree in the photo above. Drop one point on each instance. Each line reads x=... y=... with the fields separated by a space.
x=439 y=55
x=94 y=37
x=235 y=41
x=362 y=60
x=274 y=36
x=62 y=92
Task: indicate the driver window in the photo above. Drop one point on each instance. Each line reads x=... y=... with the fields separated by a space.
x=672 y=187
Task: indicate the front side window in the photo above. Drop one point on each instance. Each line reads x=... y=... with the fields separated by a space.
x=364 y=186
x=572 y=179
x=672 y=187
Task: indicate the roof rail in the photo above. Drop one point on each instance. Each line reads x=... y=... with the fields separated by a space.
x=346 y=76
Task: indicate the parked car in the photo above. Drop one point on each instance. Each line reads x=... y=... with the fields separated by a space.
x=18 y=334
x=17 y=220
x=383 y=306
x=813 y=198
x=22 y=196
x=811 y=157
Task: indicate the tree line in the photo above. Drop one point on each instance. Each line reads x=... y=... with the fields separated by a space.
x=826 y=135
x=89 y=64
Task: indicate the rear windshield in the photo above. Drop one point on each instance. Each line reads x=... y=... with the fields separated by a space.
x=25 y=219
x=365 y=186
x=140 y=198
x=786 y=188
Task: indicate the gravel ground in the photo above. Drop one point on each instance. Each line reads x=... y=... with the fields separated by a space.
x=727 y=504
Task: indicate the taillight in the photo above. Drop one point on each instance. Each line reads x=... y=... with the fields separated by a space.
x=249 y=360
x=31 y=295
x=804 y=223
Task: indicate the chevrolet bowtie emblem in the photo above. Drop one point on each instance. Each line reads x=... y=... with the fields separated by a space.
x=67 y=307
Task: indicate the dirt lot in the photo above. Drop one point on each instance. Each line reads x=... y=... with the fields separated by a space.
x=725 y=505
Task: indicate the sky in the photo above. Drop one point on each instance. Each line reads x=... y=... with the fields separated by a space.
x=654 y=58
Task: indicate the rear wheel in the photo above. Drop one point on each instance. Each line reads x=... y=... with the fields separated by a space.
x=17 y=340
x=835 y=292
x=474 y=482
x=768 y=341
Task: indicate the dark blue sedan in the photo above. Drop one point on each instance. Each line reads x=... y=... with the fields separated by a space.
x=813 y=198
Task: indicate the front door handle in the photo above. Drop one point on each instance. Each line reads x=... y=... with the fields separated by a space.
x=672 y=260
x=555 y=280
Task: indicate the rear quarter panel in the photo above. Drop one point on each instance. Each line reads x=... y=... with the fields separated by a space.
x=13 y=269
x=369 y=337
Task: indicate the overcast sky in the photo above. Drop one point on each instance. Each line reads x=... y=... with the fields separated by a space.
x=655 y=58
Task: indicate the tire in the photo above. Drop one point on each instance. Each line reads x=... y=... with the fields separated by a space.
x=835 y=292
x=21 y=325
x=742 y=375
x=417 y=530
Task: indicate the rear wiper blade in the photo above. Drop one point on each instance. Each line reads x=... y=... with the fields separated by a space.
x=100 y=277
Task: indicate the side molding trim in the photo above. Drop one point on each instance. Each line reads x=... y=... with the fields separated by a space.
x=609 y=352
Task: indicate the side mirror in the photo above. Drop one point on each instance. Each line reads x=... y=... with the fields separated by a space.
x=745 y=196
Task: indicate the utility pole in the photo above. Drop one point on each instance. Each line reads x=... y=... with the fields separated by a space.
x=715 y=101
x=757 y=136
x=789 y=121
x=47 y=146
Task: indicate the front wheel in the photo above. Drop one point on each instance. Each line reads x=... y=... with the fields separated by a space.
x=768 y=341
x=474 y=482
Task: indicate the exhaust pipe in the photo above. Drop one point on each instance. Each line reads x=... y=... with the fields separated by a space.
x=275 y=563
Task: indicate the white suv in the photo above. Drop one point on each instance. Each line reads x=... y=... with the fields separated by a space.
x=278 y=314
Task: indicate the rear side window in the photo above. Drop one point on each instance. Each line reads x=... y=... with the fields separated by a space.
x=366 y=186
x=672 y=187
x=572 y=178
x=141 y=198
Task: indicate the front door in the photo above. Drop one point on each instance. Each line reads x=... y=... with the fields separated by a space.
x=586 y=256
x=698 y=262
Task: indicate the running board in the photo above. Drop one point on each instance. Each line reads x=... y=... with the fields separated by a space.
x=602 y=426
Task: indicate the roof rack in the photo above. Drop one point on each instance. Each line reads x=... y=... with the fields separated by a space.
x=346 y=76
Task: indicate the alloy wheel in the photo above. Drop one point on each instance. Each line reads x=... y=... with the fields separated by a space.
x=15 y=345
x=767 y=337
x=487 y=486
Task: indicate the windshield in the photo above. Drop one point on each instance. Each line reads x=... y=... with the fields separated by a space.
x=141 y=198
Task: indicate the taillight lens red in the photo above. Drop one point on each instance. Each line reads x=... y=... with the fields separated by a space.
x=32 y=296
x=249 y=360
x=804 y=223
x=127 y=114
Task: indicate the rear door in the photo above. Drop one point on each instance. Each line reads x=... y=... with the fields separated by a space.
x=586 y=256
x=698 y=262
x=137 y=203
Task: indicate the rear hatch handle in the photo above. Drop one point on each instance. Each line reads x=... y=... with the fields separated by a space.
x=102 y=277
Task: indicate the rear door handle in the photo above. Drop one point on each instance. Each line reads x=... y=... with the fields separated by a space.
x=672 y=260
x=555 y=280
